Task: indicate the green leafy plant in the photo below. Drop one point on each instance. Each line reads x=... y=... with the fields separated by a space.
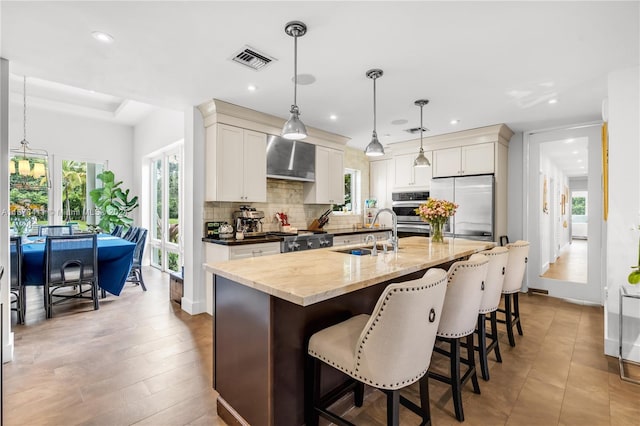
x=634 y=276
x=113 y=203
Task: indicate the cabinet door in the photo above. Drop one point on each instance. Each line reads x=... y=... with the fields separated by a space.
x=446 y=162
x=422 y=175
x=230 y=163
x=477 y=159
x=255 y=167
x=336 y=177
x=322 y=185
x=403 y=178
x=380 y=182
x=253 y=250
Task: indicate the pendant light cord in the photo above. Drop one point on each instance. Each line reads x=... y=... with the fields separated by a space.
x=374 y=104
x=421 y=127
x=295 y=68
x=24 y=109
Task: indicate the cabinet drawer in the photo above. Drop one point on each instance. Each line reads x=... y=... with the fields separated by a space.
x=253 y=250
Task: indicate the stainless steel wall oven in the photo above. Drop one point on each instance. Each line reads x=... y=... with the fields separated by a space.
x=404 y=205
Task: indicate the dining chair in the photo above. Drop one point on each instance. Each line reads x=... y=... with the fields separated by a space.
x=388 y=350
x=55 y=230
x=130 y=234
x=459 y=317
x=18 y=290
x=70 y=262
x=513 y=277
x=135 y=276
x=498 y=258
x=117 y=230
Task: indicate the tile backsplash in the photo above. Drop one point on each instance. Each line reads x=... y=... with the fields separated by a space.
x=282 y=196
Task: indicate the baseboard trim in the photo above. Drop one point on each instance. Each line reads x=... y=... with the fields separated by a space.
x=611 y=349
x=229 y=415
x=193 y=308
x=531 y=290
x=7 y=350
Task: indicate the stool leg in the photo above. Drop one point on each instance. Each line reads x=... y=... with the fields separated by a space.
x=482 y=346
x=516 y=311
x=424 y=400
x=311 y=414
x=456 y=388
x=358 y=394
x=393 y=408
x=494 y=335
x=509 y=319
x=472 y=363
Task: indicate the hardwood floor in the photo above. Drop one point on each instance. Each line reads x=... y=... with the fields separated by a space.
x=141 y=360
x=571 y=265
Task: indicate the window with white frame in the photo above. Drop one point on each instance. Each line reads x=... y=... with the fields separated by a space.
x=352 y=193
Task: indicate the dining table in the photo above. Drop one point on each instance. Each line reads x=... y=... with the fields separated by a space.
x=115 y=257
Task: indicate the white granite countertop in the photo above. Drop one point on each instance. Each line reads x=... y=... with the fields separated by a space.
x=311 y=276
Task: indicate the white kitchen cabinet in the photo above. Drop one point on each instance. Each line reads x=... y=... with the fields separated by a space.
x=253 y=250
x=329 y=185
x=407 y=177
x=350 y=239
x=464 y=160
x=380 y=182
x=236 y=161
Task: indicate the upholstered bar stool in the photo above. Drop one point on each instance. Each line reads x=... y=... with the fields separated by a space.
x=389 y=349
x=514 y=274
x=459 y=318
x=498 y=258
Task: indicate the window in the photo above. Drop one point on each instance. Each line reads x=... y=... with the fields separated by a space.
x=77 y=180
x=351 y=192
x=165 y=209
x=29 y=190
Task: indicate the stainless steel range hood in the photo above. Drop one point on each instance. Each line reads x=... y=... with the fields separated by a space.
x=288 y=159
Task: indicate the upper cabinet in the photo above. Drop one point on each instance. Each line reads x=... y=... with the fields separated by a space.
x=329 y=185
x=408 y=177
x=464 y=160
x=380 y=182
x=236 y=164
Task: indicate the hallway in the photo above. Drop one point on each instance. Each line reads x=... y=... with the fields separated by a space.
x=571 y=265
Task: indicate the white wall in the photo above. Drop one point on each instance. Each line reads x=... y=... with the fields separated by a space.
x=7 y=335
x=624 y=208
x=515 y=193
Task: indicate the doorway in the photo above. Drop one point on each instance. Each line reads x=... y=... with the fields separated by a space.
x=564 y=169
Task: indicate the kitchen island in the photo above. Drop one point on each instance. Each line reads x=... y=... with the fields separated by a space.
x=266 y=308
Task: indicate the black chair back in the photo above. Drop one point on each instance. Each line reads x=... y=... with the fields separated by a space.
x=15 y=249
x=131 y=233
x=141 y=239
x=55 y=230
x=71 y=258
x=117 y=230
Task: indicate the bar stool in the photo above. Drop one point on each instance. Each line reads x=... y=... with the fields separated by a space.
x=514 y=274
x=498 y=258
x=389 y=349
x=459 y=318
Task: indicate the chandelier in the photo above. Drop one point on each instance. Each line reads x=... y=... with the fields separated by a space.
x=24 y=156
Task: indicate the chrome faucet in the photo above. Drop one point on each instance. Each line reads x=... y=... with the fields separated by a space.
x=374 y=249
x=394 y=236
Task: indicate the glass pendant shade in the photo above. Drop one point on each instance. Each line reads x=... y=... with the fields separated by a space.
x=38 y=170
x=375 y=148
x=24 y=168
x=421 y=160
x=12 y=167
x=295 y=129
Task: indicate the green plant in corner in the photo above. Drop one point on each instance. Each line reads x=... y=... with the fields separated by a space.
x=634 y=276
x=112 y=202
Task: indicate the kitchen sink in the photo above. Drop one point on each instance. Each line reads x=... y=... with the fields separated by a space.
x=363 y=250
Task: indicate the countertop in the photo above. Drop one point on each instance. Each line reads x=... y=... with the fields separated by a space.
x=276 y=239
x=311 y=276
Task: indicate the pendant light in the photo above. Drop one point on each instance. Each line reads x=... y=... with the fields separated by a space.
x=421 y=160
x=374 y=149
x=294 y=128
x=24 y=169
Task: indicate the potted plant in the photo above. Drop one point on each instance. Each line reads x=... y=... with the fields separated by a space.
x=112 y=202
x=634 y=276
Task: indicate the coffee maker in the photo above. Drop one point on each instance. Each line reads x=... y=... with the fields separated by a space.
x=248 y=220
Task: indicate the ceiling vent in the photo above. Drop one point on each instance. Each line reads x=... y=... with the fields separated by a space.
x=415 y=130
x=251 y=58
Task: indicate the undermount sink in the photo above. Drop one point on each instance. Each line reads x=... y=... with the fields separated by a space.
x=363 y=250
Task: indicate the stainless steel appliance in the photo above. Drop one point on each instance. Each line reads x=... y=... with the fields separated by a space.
x=404 y=205
x=474 y=219
x=302 y=242
x=248 y=221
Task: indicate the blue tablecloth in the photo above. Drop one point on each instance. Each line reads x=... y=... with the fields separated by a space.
x=115 y=257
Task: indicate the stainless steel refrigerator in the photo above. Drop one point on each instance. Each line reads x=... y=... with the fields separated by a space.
x=474 y=219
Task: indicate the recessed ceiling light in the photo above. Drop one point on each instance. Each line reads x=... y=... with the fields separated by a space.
x=102 y=37
x=251 y=88
x=582 y=167
x=579 y=161
x=553 y=101
x=574 y=152
x=333 y=117
x=568 y=141
x=454 y=121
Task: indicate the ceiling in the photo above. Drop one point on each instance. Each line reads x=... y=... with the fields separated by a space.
x=569 y=155
x=479 y=62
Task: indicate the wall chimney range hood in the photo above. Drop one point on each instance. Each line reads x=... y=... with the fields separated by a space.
x=290 y=159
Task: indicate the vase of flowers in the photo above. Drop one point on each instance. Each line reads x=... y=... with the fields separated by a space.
x=436 y=213
x=23 y=218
